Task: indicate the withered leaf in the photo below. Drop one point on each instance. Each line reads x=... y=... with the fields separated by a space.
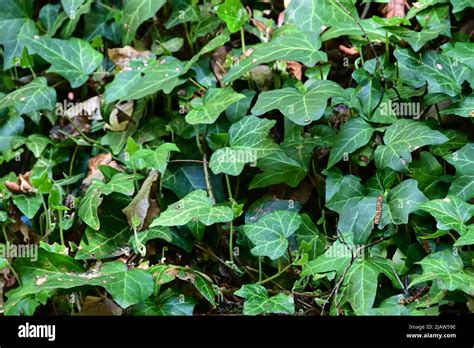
x=137 y=210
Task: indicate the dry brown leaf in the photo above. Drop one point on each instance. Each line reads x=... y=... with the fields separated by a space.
x=396 y=8
x=295 y=69
x=139 y=206
x=218 y=60
x=187 y=276
x=99 y=306
x=28 y=235
x=64 y=126
x=123 y=55
x=120 y=117
x=102 y=159
x=350 y=51
x=22 y=186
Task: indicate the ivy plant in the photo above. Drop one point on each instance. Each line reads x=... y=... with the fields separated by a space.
x=190 y=157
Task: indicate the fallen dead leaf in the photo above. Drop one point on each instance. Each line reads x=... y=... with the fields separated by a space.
x=218 y=60
x=23 y=184
x=396 y=8
x=63 y=127
x=120 y=117
x=99 y=306
x=139 y=206
x=350 y=51
x=295 y=69
x=123 y=55
x=102 y=159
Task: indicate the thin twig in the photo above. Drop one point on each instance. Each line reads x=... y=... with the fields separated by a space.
x=366 y=36
x=185 y=161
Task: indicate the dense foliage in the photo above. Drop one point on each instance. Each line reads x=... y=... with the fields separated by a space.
x=188 y=157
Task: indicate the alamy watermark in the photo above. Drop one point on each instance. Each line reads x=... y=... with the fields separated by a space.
x=403 y=109
x=19 y=251
x=231 y=156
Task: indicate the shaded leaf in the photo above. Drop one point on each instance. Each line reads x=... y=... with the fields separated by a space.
x=269 y=234
x=196 y=206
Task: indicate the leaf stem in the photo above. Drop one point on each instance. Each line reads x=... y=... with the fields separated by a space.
x=5 y=234
x=47 y=215
x=60 y=223
x=197 y=84
x=185 y=161
x=229 y=189
x=73 y=158
x=275 y=275
x=231 y=242
x=242 y=39
x=208 y=178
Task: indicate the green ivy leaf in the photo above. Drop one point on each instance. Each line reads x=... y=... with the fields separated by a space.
x=153 y=233
x=461 y=51
x=335 y=259
x=269 y=234
x=457 y=139
x=233 y=13
x=315 y=15
x=360 y=286
x=356 y=211
x=10 y=128
x=106 y=243
x=428 y=172
x=120 y=183
x=166 y=273
x=206 y=110
x=460 y=5
x=416 y=39
x=196 y=206
x=277 y=168
x=289 y=43
x=74 y=59
x=467 y=238
x=441 y=72
x=28 y=204
x=127 y=287
x=300 y=107
x=135 y=12
x=309 y=239
x=154 y=159
x=446 y=266
x=169 y=303
x=33 y=97
x=36 y=143
x=451 y=213
x=88 y=207
x=148 y=79
x=71 y=6
x=183 y=12
x=187 y=178
x=353 y=135
x=464 y=108
x=257 y=301
x=14 y=22
x=401 y=138
x=249 y=141
x=401 y=201
x=51 y=17
x=463 y=161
